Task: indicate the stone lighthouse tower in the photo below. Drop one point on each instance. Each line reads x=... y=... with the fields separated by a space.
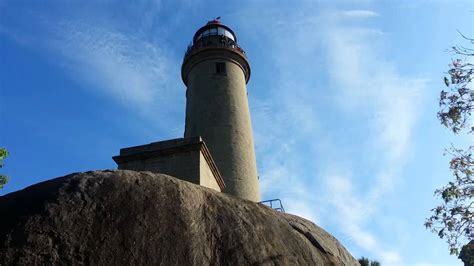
x=216 y=71
x=217 y=150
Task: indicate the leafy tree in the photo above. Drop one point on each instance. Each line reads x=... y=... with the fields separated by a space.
x=457 y=102
x=374 y=263
x=3 y=155
x=365 y=262
x=453 y=219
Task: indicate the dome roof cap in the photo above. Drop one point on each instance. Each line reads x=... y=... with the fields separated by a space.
x=214 y=21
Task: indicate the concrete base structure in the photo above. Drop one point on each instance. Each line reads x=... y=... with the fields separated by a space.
x=187 y=159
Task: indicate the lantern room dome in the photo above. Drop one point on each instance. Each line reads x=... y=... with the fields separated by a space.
x=214 y=28
x=210 y=40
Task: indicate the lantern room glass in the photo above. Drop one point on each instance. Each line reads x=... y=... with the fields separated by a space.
x=216 y=31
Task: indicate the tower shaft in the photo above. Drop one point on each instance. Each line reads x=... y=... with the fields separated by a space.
x=217 y=109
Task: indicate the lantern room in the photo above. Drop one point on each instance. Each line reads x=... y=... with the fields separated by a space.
x=212 y=39
x=214 y=28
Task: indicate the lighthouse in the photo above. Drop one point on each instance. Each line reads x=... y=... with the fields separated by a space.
x=217 y=150
x=216 y=71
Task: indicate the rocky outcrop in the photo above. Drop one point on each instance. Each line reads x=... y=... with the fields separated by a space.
x=127 y=217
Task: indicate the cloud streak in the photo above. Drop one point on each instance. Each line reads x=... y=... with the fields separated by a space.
x=359 y=13
x=301 y=160
x=129 y=69
x=371 y=86
x=124 y=62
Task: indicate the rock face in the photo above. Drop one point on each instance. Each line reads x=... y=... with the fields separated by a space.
x=127 y=217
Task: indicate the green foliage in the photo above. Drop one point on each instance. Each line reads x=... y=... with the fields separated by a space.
x=3 y=155
x=457 y=102
x=452 y=220
x=365 y=262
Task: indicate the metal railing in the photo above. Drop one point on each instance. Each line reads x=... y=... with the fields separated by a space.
x=217 y=42
x=274 y=204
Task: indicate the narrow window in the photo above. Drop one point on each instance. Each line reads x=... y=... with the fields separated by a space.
x=220 y=68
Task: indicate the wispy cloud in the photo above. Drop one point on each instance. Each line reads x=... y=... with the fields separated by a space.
x=359 y=13
x=300 y=160
x=123 y=66
x=352 y=212
x=370 y=86
x=123 y=62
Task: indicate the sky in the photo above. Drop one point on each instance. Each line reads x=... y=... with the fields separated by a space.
x=343 y=98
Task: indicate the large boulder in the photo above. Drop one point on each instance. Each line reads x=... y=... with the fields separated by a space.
x=127 y=217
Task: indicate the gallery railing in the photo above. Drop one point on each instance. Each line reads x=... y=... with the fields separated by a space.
x=214 y=43
x=274 y=204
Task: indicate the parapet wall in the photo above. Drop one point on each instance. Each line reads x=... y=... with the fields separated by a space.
x=186 y=159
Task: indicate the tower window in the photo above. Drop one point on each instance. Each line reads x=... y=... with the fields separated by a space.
x=220 y=68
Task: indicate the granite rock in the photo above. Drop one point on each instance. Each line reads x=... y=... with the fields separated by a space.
x=141 y=218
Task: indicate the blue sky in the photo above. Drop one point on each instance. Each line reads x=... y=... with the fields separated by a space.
x=343 y=98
